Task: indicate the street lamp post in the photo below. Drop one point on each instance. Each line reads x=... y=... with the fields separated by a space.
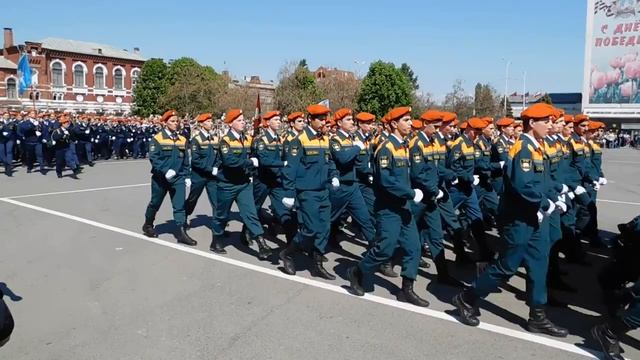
x=506 y=85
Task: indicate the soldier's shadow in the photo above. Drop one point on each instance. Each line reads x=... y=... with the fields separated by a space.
x=5 y=290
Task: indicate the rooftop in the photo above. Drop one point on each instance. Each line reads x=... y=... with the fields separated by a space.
x=89 y=48
x=7 y=64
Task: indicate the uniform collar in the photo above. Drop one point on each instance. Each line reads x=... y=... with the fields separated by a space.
x=271 y=134
x=397 y=141
x=422 y=136
x=533 y=140
x=205 y=133
x=312 y=133
x=235 y=134
x=343 y=134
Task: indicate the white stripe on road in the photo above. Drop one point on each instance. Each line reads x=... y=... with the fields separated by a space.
x=318 y=284
x=76 y=191
x=618 y=202
x=116 y=162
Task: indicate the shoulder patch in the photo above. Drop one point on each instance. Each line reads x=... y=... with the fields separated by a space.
x=152 y=147
x=525 y=164
x=384 y=161
x=261 y=145
x=336 y=145
x=224 y=147
x=294 y=150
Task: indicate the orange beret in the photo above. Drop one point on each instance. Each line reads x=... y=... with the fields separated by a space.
x=295 y=115
x=204 y=117
x=317 y=110
x=231 y=115
x=448 y=116
x=432 y=115
x=455 y=122
x=505 y=122
x=538 y=111
x=518 y=124
x=477 y=123
x=417 y=124
x=270 y=114
x=63 y=120
x=167 y=115
x=580 y=118
x=568 y=118
x=398 y=113
x=341 y=114
x=464 y=125
x=488 y=119
x=365 y=117
x=594 y=125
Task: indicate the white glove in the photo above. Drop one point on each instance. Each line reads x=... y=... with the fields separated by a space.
x=335 y=183
x=596 y=186
x=44 y=141
x=113 y=138
x=97 y=141
x=565 y=189
x=285 y=163
x=170 y=174
x=602 y=181
x=359 y=144
x=476 y=179
x=38 y=133
x=440 y=195
x=254 y=161
x=215 y=171
x=562 y=198
x=454 y=182
x=370 y=178
x=18 y=142
x=571 y=195
x=501 y=164
x=540 y=216
x=87 y=131
x=552 y=208
x=187 y=182
x=65 y=131
x=288 y=202
x=418 y=197
x=562 y=206
x=4 y=133
x=579 y=190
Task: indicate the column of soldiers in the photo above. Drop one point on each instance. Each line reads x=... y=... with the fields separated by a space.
x=50 y=140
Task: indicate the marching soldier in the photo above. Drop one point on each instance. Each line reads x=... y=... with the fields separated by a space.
x=500 y=151
x=234 y=184
x=364 y=171
x=395 y=225
x=308 y=173
x=204 y=164
x=170 y=174
x=590 y=229
x=61 y=141
x=7 y=141
x=31 y=132
x=485 y=169
x=525 y=231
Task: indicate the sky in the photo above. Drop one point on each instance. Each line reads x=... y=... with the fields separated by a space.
x=442 y=41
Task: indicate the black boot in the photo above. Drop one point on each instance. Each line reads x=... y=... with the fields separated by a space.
x=465 y=302
x=462 y=257
x=264 y=251
x=355 y=280
x=539 y=323
x=423 y=264
x=286 y=256
x=184 y=238
x=215 y=246
x=409 y=295
x=317 y=269
x=245 y=238
x=386 y=269
x=607 y=336
x=443 y=272
x=148 y=230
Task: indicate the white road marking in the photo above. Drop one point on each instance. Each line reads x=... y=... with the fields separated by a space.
x=618 y=202
x=77 y=191
x=116 y=162
x=318 y=284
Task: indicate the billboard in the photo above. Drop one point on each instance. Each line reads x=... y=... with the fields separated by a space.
x=612 y=59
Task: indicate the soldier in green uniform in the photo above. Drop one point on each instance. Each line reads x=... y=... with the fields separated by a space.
x=270 y=152
x=235 y=185
x=309 y=172
x=500 y=151
x=170 y=174
x=204 y=163
x=590 y=213
x=485 y=169
x=525 y=231
x=395 y=225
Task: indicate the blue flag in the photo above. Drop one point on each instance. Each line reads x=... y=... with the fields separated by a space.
x=24 y=74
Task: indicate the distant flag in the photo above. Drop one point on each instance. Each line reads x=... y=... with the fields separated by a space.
x=24 y=74
x=325 y=102
x=256 y=119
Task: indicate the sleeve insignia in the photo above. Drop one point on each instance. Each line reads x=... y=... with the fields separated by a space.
x=294 y=151
x=152 y=147
x=384 y=161
x=525 y=165
x=336 y=146
x=224 y=148
x=261 y=146
x=417 y=158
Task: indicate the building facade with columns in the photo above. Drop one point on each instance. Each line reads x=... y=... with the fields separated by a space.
x=70 y=75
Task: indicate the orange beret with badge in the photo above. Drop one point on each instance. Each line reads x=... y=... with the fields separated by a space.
x=295 y=115
x=365 y=117
x=231 y=115
x=505 y=122
x=341 y=114
x=477 y=123
x=204 y=117
x=270 y=115
x=317 y=110
x=540 y=111
x=432 y=116
x=449 y=116
x=580 y=118
x=397 y=114
x=168 y=114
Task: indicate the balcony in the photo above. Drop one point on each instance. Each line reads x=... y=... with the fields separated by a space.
x=80 y=90
x=58 y=88
x=122 y=92
x=102 y=91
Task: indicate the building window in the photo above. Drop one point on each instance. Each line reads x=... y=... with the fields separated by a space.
x=118 y=79
x=78 y=76
x=134 y=77
x=34 y=76
x=58 y=96
x=56 y=74
x=99 y=81
x=12 y=89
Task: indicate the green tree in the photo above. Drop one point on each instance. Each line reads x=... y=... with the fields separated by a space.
x=458 y=101
x=486 y=100
x=296 y=88
x=192 y=88
x=408 y=72
x=509 y=112
x=151 y=86
x=342 y=92
x=546 y=99
x=383 y=88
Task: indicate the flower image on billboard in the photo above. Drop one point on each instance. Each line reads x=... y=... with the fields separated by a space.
x=612 y=55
